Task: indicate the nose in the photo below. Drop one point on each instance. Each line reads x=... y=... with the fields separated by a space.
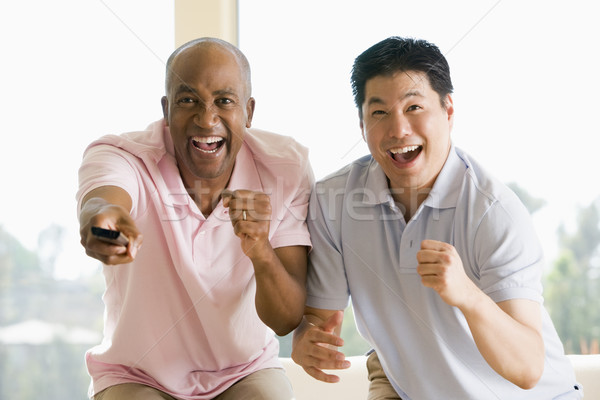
x=206 y=117
x=399 y=126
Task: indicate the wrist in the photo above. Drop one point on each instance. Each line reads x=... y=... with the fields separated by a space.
x=262 y=254
x=473 y=300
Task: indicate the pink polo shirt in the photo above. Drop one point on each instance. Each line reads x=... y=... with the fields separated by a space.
x=182 y=317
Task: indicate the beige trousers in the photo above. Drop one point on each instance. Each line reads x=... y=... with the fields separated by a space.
x=380 y=387
x=267 y=384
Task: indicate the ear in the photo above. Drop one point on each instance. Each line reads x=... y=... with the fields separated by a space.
x=449 y=109
x=165 y=108
x=250 y=104
x=362 y=127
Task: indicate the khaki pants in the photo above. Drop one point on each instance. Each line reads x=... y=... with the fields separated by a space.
x=267 y=384
x=380 y=387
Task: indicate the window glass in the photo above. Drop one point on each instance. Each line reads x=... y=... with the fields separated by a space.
x=71 y=71
x=526 y=83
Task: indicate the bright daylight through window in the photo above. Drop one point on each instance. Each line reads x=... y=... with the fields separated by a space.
x=526 y=84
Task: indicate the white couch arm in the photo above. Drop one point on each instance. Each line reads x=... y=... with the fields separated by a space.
x=587 y=370
x=355 y=385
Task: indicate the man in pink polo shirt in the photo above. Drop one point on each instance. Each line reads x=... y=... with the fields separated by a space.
x=192 y=313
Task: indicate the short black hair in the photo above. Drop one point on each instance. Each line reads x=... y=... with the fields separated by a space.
x=396 y=54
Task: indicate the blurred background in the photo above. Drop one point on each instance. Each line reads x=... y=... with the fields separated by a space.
x=526 y=85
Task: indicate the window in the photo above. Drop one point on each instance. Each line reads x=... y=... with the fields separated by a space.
x=525 y=80
x=71 y=72
x=526 y=84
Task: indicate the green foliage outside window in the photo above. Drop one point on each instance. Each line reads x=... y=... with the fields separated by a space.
x=572 y=287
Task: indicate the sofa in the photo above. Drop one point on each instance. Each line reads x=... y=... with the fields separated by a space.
x=354 y=384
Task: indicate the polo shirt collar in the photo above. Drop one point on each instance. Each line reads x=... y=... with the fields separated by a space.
x=444 y=193
x=376 y=188
x=446 y=188
x=244 y=175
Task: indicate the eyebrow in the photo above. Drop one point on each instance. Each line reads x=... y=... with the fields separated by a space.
x=226 y=91
x=411 y=93
x=183 y=88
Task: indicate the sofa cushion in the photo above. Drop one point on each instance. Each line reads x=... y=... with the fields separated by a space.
x=355 y=385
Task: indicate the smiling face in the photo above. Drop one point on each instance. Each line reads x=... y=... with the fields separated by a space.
x=207 y=108
x=407 y=131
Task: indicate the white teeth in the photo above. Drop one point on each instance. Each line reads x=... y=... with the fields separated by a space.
x=403 y=150
x=211 y=139
x=207 y=140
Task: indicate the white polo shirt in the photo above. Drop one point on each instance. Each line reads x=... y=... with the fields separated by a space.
x=364 y=250
x=181 y=317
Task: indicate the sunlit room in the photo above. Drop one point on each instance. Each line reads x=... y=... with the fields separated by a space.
x=526 y=84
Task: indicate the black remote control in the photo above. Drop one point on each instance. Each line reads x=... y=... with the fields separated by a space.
x=110 y=236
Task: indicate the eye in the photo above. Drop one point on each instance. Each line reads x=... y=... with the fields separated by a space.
x=414 y=107
x=186 y=100
x=378 y=113
x=224 y=101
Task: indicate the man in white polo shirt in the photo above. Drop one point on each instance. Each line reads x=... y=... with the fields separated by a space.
x=191 y=314
x=441 y=260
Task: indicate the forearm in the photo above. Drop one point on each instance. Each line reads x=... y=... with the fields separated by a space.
x=280 y=294
x=507 y=334
x=101 y=197
x=513 y=349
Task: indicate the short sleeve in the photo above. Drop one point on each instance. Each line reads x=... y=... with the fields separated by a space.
x=292 y=229
x=508 y=253
x=327 y=285
x=105 y=165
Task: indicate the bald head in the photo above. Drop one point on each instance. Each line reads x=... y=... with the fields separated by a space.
x=208 y=43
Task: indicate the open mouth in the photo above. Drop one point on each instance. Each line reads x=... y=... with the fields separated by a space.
x=405 y=154
x=209 y=144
